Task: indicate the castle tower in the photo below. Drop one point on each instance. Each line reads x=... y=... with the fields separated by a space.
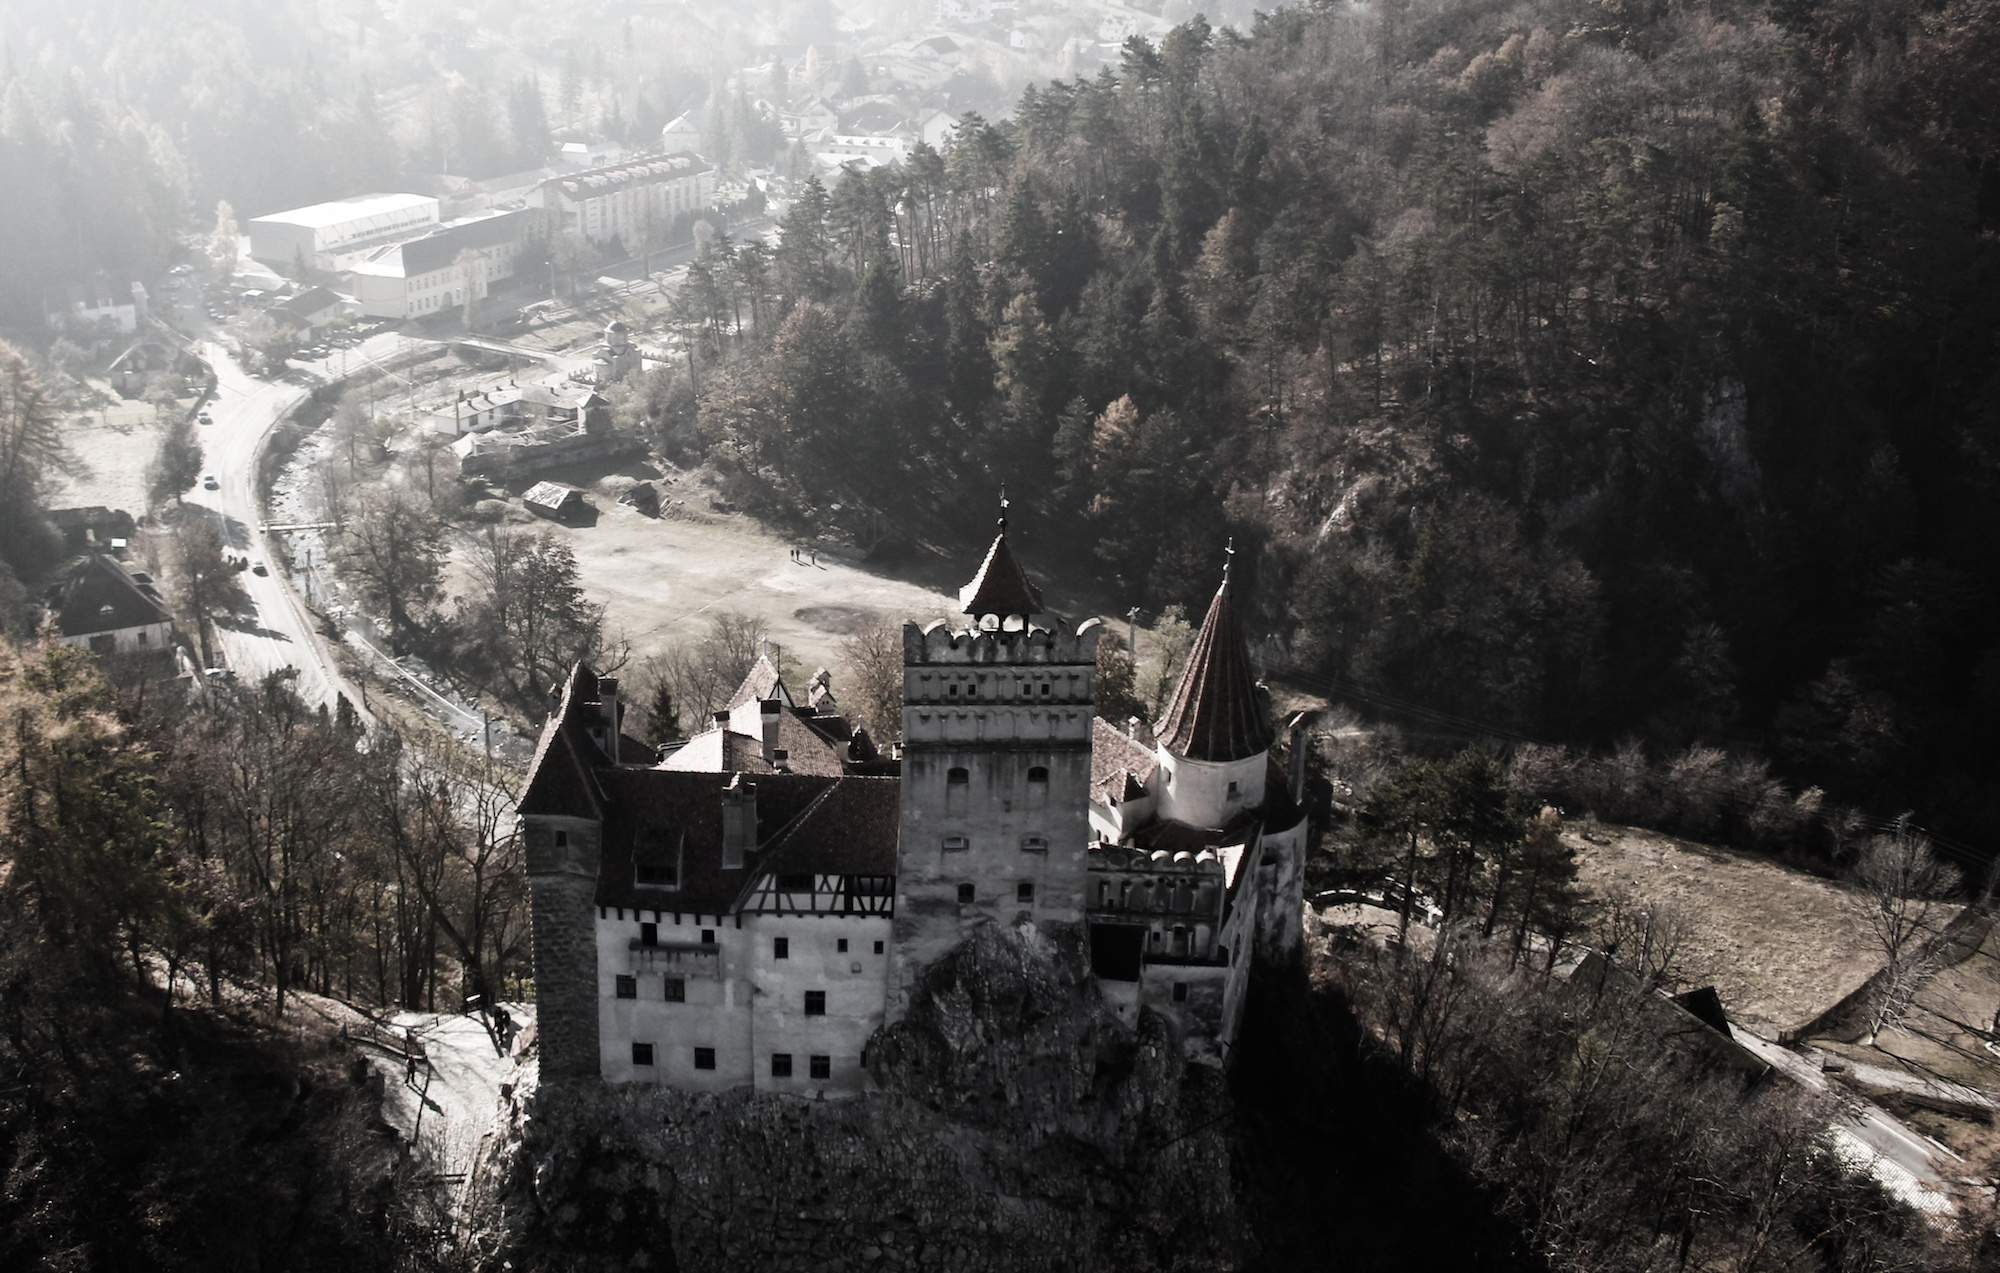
x=996 y=770
x=1214 y=738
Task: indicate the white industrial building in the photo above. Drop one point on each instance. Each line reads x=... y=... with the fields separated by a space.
x=619 y=201
x=440 y=269
x=324 y=233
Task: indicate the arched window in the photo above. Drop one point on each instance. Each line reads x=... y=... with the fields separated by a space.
x=1038 y=787
x=957 y=776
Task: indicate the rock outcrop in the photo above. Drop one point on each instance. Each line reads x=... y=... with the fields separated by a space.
x=1017 y=1124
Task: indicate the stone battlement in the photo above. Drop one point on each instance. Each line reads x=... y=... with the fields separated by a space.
x=939 y=642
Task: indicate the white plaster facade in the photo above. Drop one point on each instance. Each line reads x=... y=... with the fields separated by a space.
x=741 y=1001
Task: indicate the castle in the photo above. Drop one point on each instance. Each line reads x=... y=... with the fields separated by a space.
x=750 y=908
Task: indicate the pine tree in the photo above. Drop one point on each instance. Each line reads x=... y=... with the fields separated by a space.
x=663 y=722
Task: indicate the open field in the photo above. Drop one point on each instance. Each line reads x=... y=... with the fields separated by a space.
x=1943 y=1036
x=110 y=448
x=662 y=578
x=1779 y=945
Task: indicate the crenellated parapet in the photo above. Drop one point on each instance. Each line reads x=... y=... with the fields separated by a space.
x=938 y=642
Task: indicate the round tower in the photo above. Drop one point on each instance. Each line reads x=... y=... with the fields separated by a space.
x=1214 y=739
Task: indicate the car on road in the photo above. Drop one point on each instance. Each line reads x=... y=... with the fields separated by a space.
x=257 y=568
x=206 y=418
x=208 y=482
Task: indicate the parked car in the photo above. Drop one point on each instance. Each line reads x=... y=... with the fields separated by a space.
x=208 y=482
x=205 y=418
x=257 y=568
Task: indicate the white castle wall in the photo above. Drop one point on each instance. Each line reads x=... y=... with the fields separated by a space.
x=741 y=1000
x=1197 y=792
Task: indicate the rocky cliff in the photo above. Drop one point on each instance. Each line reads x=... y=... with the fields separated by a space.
x=1017 y=1124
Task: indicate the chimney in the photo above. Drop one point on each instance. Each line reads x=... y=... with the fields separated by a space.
x=739 y=821
x=607 y=701
x=768 y=712
x=721 y=719
x=1300 y=740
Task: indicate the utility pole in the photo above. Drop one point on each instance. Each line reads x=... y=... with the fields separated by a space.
x=1132 y=630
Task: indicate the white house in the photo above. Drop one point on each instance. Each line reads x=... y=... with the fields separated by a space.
x=106 y=608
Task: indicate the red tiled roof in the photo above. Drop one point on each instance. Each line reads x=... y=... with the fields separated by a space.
x=1001 y=586
x=760 y=683
x=1215 y=713
x=681 y=814
x=1115 y=759
x=852 y=831
x=559 y=777
x=720 y=751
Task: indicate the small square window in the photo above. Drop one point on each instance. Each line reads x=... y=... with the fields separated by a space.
x=878 y=947
x=781 y=1065
x=562 y=839
x=954 y=843
x=1180 y=992
x=820 y=1066
x=628 y=986
x=815 y=1003
x=708 y=937
x=781 y=948
x=1046 y=689
x=1232 y=789
x=642 y=1054
x=965 y=896
x=677 y=990
x=1024 y=892
x=704 y=1058
x=841 y=946
x=1034 y=844
x=649 y=934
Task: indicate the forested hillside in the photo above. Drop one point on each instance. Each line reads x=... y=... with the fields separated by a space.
x=1575 y=371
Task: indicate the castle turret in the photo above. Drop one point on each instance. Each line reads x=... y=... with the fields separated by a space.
x=1214 y=738
x=996 y=769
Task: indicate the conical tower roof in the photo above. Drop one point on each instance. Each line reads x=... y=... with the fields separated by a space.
x=1215 y=714
x=1001 y=586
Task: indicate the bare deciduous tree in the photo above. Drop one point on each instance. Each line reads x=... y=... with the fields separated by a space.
x=871 y=687
x=1906 y=890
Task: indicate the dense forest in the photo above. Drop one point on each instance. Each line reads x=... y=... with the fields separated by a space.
x=1574 y=372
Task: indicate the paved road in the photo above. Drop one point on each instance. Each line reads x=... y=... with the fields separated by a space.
x=274 y=631
x=1906 y=1164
